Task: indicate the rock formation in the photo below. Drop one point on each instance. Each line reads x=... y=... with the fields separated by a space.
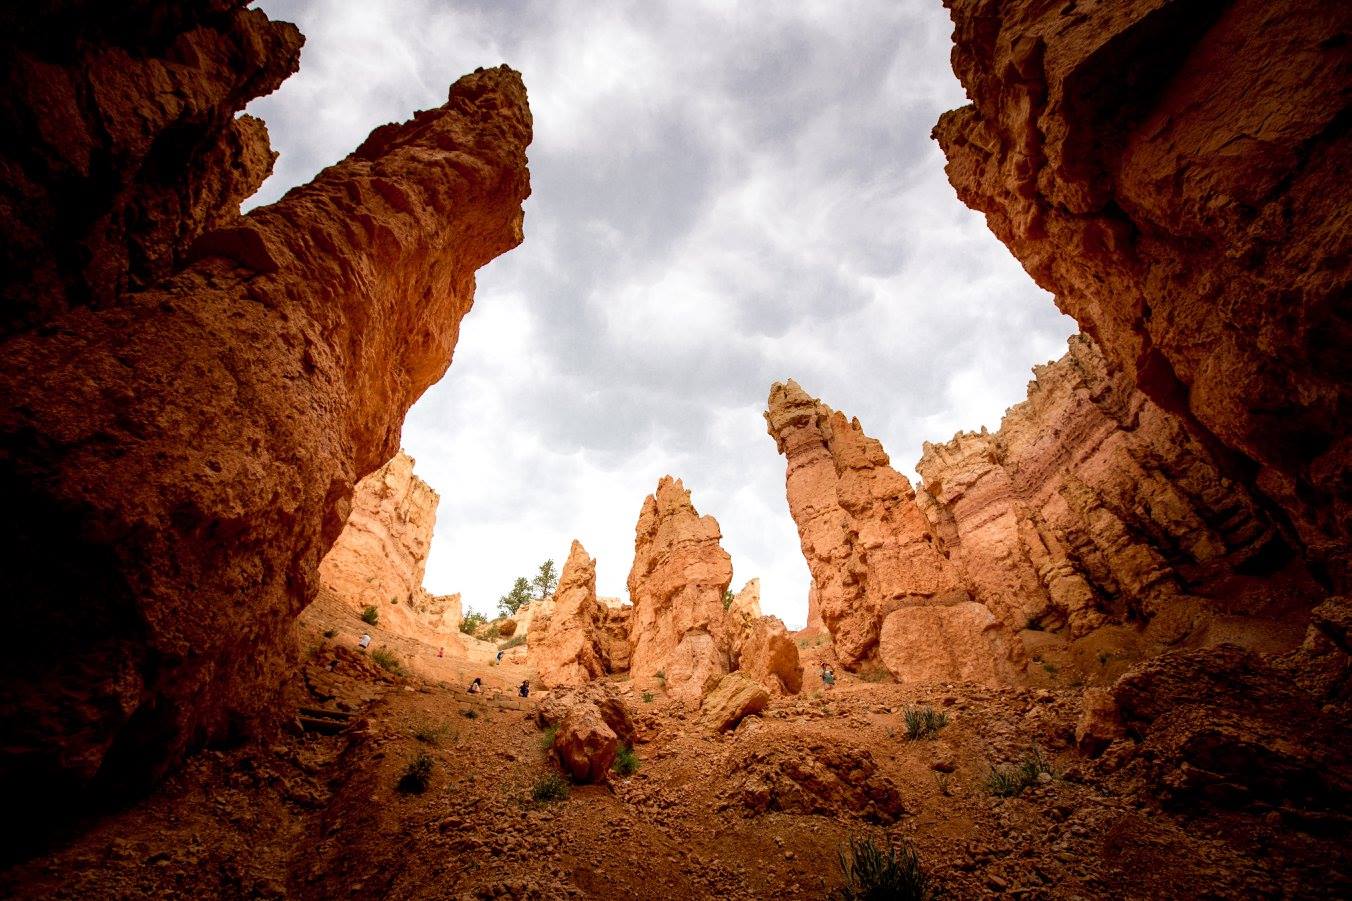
x=380 y=557
x=734 y=699
x=869 y=548
x=189 y=396
x=677 y=582
x=1176 y=175
x=759 y=647
x=566 y=647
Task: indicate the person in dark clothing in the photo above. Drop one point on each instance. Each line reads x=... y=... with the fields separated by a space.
x=477 y=686
x=524 y=690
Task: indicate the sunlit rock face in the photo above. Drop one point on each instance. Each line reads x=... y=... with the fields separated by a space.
x=677 y=582
x=567 y=646
x=191 y=395
x=1176 y=174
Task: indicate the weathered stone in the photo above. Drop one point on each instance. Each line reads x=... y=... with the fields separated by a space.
x=677 y=582
x=767 y=655
x=1099 y=724
x=734 y=699
x=959 y=642
x=566 y=647
x=185 y=428
x=1176 y=175
x=585 y=745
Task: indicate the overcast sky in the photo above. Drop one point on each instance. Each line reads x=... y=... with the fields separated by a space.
x=725 y=195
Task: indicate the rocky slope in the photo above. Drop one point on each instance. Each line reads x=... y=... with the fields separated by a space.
x=1175 y=173
x=184 y=422
x=380 y=557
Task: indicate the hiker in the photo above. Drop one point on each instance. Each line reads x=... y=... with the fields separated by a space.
x=500 y=653
x=364 y=642
x=828 y=676
x=441 y=652
x=524 y=690
x=476 y=686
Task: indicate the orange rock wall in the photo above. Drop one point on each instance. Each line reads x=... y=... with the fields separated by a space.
x=1176 y=174
x=184 y=419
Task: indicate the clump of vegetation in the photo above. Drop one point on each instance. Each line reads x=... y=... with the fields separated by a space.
x=417 y=775
x=626 y=761
x=370 y=615
x=547 y=738
x=923 y=721
x=1034 y=624
x=874 y=673
x=386 y=660
x=513 y=642
x=1050 y=668
x=1104 y=657
x=874 y=873
x=524 y=590
x=470 y=714
x=648 y=697
x=329 y=633
x=550 y=787
x=661 y=676
x=944 y=781
x=472 y=621
x=728 y=598
x=1010 y=781
x=429 y=734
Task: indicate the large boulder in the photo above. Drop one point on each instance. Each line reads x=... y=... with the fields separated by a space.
x=767 y=655
x=604 y=696
x=733 y=700
x=585 y=745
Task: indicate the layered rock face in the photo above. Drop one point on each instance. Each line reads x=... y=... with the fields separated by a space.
x=189 y=395
x=677 y=582
x=869 y=548
x=1175 y=173
x=566 y=648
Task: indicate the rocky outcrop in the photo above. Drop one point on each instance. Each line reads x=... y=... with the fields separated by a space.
x=1175 y=174
x=677 y=582
x=946 y=643
x=584 y=745
x=381 y=555
x=189 y=396
x=869 y=548
x=734 y=699
x=566 y=650
x=812 y=778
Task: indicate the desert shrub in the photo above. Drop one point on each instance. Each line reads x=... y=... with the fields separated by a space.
x=429 y=734
x=515 y=641
x=661 y=676
x=872 y=873
x=1050 y=668
x=547 y=738
x=470 y=714
x=1010 y=781
x=370 y=615
x=626 y=761
x=1104 y=657
x=874 y=673
x=387 y=660
x=728 y=597
x=472 y=622
x=944 y=781
x=329 y=633
x=923 y=722
x=648 y=697
x=550 y=787
x=416 y=776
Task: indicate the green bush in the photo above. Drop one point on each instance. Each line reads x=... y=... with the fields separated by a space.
x=874 y=673
x=923 y=722
x=648 y=697
x=329 y=633
x=547 y=738
x=470 y=714
x=370 y=615
x=872 y=874
x=429 y=734
x=472 y=622
x=550 y=787
x=513 y=642
x=417 y=775
x=728 y=598
x=388 y=661
x=626 y=761
x=1010 y=781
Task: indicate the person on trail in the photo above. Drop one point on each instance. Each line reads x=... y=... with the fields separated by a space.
x=500 y=653
x=441 y=652
x=828 y=676
x=476 y=686
x=524 y=690
x=364 y=641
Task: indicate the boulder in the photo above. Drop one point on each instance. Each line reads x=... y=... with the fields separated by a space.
x=957 y=643
x=768 y=656
x=584 y=745
x=735 y=698
x=1100 y=724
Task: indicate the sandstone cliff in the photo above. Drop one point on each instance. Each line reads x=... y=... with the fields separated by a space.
x=868 y=546
x=677 y=582
x=566 y=647
x=190 y=396
x=1176 y=174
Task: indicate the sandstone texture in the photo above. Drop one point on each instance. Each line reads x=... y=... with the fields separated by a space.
x=566 y=649
x=585 y=745
x=870 y=549
x=677 y=582
x=189 y=396
x=767 y=655
x=1175 y=173
x=945 y=643
x=732 y=700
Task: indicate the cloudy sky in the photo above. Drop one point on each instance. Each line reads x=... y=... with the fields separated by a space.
x=725 y=195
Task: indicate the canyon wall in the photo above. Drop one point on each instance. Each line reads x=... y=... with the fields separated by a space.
x=566 y=646
x=189 y=396
x=1176 y=174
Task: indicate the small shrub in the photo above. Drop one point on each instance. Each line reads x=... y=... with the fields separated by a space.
x=626 y=761
x=1034 y=624
x=1104 y=657
x=471 y=622
x=388 y=661
x=370 y=615
x=429 y=734
x=1010 y=781
x=1050 y=668
x=329 y=633
x=728 y=597
x=547 y=738
x=513 y=642
x=648 y=697
x=874 y=673
x=550 y=787
x=661 y=676
x=416 y=776
x=924 y=722
x=871 y=872
x=470 y=714
x=945 y=783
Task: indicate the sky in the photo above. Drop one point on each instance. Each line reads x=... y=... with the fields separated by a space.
x=724 y=195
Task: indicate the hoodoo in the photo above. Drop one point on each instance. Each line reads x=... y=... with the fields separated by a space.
x=190 y=395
